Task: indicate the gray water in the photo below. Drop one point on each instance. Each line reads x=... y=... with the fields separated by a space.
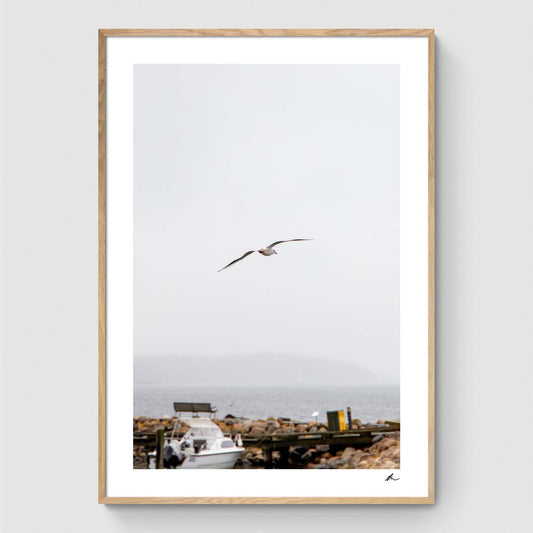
x=368 y=403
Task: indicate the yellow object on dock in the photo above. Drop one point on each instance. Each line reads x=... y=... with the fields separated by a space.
x=342 y=422
x=336 y=421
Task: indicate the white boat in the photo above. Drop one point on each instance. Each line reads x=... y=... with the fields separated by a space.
x=204 y=445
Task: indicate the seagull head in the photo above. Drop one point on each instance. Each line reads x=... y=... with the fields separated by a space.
x=275 y=252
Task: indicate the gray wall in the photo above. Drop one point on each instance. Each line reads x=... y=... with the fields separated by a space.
x=484 y=262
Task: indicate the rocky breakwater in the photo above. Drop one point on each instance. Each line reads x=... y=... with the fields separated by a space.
x=383 y=452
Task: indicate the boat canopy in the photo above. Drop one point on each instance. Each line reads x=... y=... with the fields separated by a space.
x=194 y=407
x=202 y=428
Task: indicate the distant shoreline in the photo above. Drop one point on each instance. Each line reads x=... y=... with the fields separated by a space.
x=260 y=370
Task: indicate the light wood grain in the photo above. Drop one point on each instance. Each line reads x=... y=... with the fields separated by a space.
x=102 y=35
x=268 y=501
x=366 y=32
x=101 y=266
x=431 y=266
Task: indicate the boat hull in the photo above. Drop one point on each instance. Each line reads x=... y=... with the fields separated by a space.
x=212 y=460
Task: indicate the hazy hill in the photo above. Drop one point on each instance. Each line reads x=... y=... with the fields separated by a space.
x=243 y=370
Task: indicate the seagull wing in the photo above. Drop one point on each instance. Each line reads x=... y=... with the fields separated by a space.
x=237 y=260
x=290 y=240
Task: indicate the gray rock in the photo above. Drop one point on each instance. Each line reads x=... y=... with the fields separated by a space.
x=348 y=452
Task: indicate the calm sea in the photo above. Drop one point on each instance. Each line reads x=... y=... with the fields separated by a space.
x=369 y=404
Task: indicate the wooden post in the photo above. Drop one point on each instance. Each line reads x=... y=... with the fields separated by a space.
x=349 y=411
x=159 y=443
x=283 y=457
x=267 y=453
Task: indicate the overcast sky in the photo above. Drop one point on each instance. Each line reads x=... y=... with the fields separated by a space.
x=229 y=158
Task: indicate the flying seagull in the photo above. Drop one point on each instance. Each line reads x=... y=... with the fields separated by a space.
x=269 y=250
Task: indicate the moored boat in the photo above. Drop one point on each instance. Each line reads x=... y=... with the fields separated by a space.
x=204 y=445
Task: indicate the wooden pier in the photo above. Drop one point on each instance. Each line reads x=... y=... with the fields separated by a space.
x=336 y=440
x=356 y=438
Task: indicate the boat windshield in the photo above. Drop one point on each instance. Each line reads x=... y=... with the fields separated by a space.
x=205 y=433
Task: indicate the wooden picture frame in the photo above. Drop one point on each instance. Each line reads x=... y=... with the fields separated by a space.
x=104 y=494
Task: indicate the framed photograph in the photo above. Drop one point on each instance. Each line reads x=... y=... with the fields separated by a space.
x=266 y=271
